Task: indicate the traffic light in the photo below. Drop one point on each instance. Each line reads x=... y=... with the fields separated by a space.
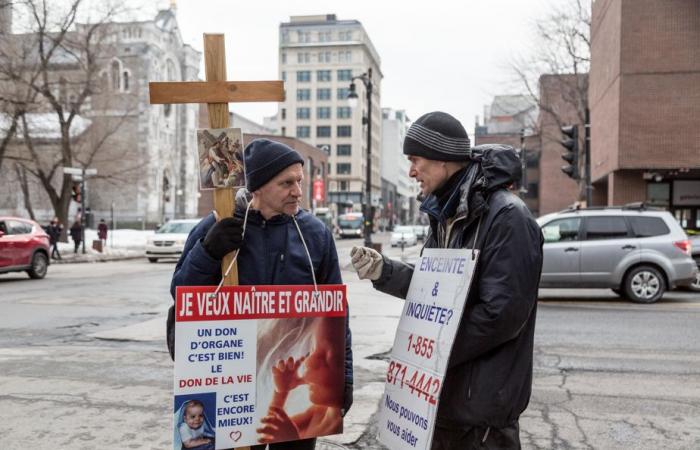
x=75 y=192
x=570 y=143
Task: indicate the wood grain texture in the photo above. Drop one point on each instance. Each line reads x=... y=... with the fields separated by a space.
x=162 y=92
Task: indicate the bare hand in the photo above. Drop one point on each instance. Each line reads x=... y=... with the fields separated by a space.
x=277 y=426
x=285 y=374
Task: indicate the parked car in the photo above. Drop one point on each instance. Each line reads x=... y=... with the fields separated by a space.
x=24 y=247
x=420 y=231
x=403 y=234
x=169 y=240
x=636 y=252
x=695 y=251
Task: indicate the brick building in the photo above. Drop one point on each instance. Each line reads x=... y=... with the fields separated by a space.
x=645 y=104
x=506 y=120
x=560 y=105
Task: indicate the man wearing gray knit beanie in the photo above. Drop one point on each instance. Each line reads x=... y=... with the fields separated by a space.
x=279 y=243
x=488 y=381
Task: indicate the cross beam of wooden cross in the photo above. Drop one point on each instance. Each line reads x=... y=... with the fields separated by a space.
x=216 y=92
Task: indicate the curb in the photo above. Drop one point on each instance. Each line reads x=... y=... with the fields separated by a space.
x=99 y=259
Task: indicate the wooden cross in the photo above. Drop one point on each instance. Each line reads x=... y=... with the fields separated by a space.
x=216 y=92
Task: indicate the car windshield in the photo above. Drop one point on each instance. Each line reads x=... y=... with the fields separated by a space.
x=177 y=227
x=350 y=223
x=403 y=230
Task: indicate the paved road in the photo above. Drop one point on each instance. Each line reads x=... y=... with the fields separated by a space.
x=84 y=365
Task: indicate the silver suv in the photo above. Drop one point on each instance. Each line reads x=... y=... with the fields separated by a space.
x=638 y=253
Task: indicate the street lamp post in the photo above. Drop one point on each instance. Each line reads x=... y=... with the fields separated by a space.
x=366 y=79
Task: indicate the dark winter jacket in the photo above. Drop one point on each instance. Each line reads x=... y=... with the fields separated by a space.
x=76 y=232
x=489 y=376
x=272 y=253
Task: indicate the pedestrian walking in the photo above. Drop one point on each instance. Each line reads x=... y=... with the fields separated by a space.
x=76 y=233
x=299 y=248
x=102 y=231
x=54 y=230
x=488 y=381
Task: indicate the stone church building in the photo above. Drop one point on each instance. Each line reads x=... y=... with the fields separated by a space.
x=146 y=171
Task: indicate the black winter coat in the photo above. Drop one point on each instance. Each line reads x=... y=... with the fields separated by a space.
x=489 y=376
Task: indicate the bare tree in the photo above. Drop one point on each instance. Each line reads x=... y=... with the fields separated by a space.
x=562 y=49
x=50 y=74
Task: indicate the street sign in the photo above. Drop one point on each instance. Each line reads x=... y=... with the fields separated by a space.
x=89 y=172
x=73 y=170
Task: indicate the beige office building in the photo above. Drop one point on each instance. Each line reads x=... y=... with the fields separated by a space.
x=318 y=57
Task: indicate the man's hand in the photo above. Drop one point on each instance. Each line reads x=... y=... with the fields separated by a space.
x=367 y=262
x=224 y=237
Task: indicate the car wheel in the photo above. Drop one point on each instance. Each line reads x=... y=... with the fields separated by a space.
x=153 y=260
x=40 y=264
x=695 y=286
x=644 y=284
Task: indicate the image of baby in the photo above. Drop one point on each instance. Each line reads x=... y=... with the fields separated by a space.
x=194 y=430
x=323 y=375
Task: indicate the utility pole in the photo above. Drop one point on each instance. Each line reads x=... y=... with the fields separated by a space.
x=587 y=159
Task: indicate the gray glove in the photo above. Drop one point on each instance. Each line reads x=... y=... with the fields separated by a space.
x=367 y=262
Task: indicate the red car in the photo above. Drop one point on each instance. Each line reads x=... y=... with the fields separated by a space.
x=24 y=246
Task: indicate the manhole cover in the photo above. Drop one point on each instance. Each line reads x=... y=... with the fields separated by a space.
x=325 y=445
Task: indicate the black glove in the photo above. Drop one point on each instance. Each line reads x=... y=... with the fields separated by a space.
x=347 y=399
x=224 y=237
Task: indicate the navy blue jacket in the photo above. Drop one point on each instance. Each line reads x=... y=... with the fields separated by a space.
x=272 y=254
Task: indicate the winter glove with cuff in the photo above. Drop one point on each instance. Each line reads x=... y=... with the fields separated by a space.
x=224 y=237
x=367 y=262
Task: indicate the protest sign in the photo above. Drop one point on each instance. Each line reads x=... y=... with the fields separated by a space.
x=421 y=351
x=258 y=364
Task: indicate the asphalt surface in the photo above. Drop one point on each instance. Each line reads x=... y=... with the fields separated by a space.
x=84 y=364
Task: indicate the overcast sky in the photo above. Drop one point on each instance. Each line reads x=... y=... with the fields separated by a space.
x=435 y=55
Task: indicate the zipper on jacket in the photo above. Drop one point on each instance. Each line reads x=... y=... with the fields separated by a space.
x=469 y=380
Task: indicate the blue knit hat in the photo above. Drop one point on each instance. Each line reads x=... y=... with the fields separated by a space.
x=264 y=159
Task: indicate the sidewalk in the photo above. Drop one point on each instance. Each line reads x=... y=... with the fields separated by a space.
x=121 y=245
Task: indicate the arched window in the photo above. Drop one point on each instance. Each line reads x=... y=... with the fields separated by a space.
x=116 y=78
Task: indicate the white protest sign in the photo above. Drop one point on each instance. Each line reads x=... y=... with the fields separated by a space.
x=426 y=331
x=228 y=382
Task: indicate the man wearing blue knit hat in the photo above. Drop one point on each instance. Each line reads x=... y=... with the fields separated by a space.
x=283 y=245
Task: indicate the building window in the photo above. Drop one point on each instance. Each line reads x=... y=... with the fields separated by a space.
x=324 y=112
x=323 y=75
x=343 y=186
x=116 y=78
x=284 y=58
x=303 y=94
x=344 y=75
x=126 y=80
x=303 y=36
x=303 y=132
x=284 y=113
x=345 y=56
x=303 y=76
x=303 y=58
x=344 y=150
x=284 y=76
x=324 y=36
x=343 y=168
x=323 y=94
x=284 y=131
x=344 y=112
x=324 y=57
x=343 y=93
x=324 y=131
x=344 y=131
x=303 y=113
